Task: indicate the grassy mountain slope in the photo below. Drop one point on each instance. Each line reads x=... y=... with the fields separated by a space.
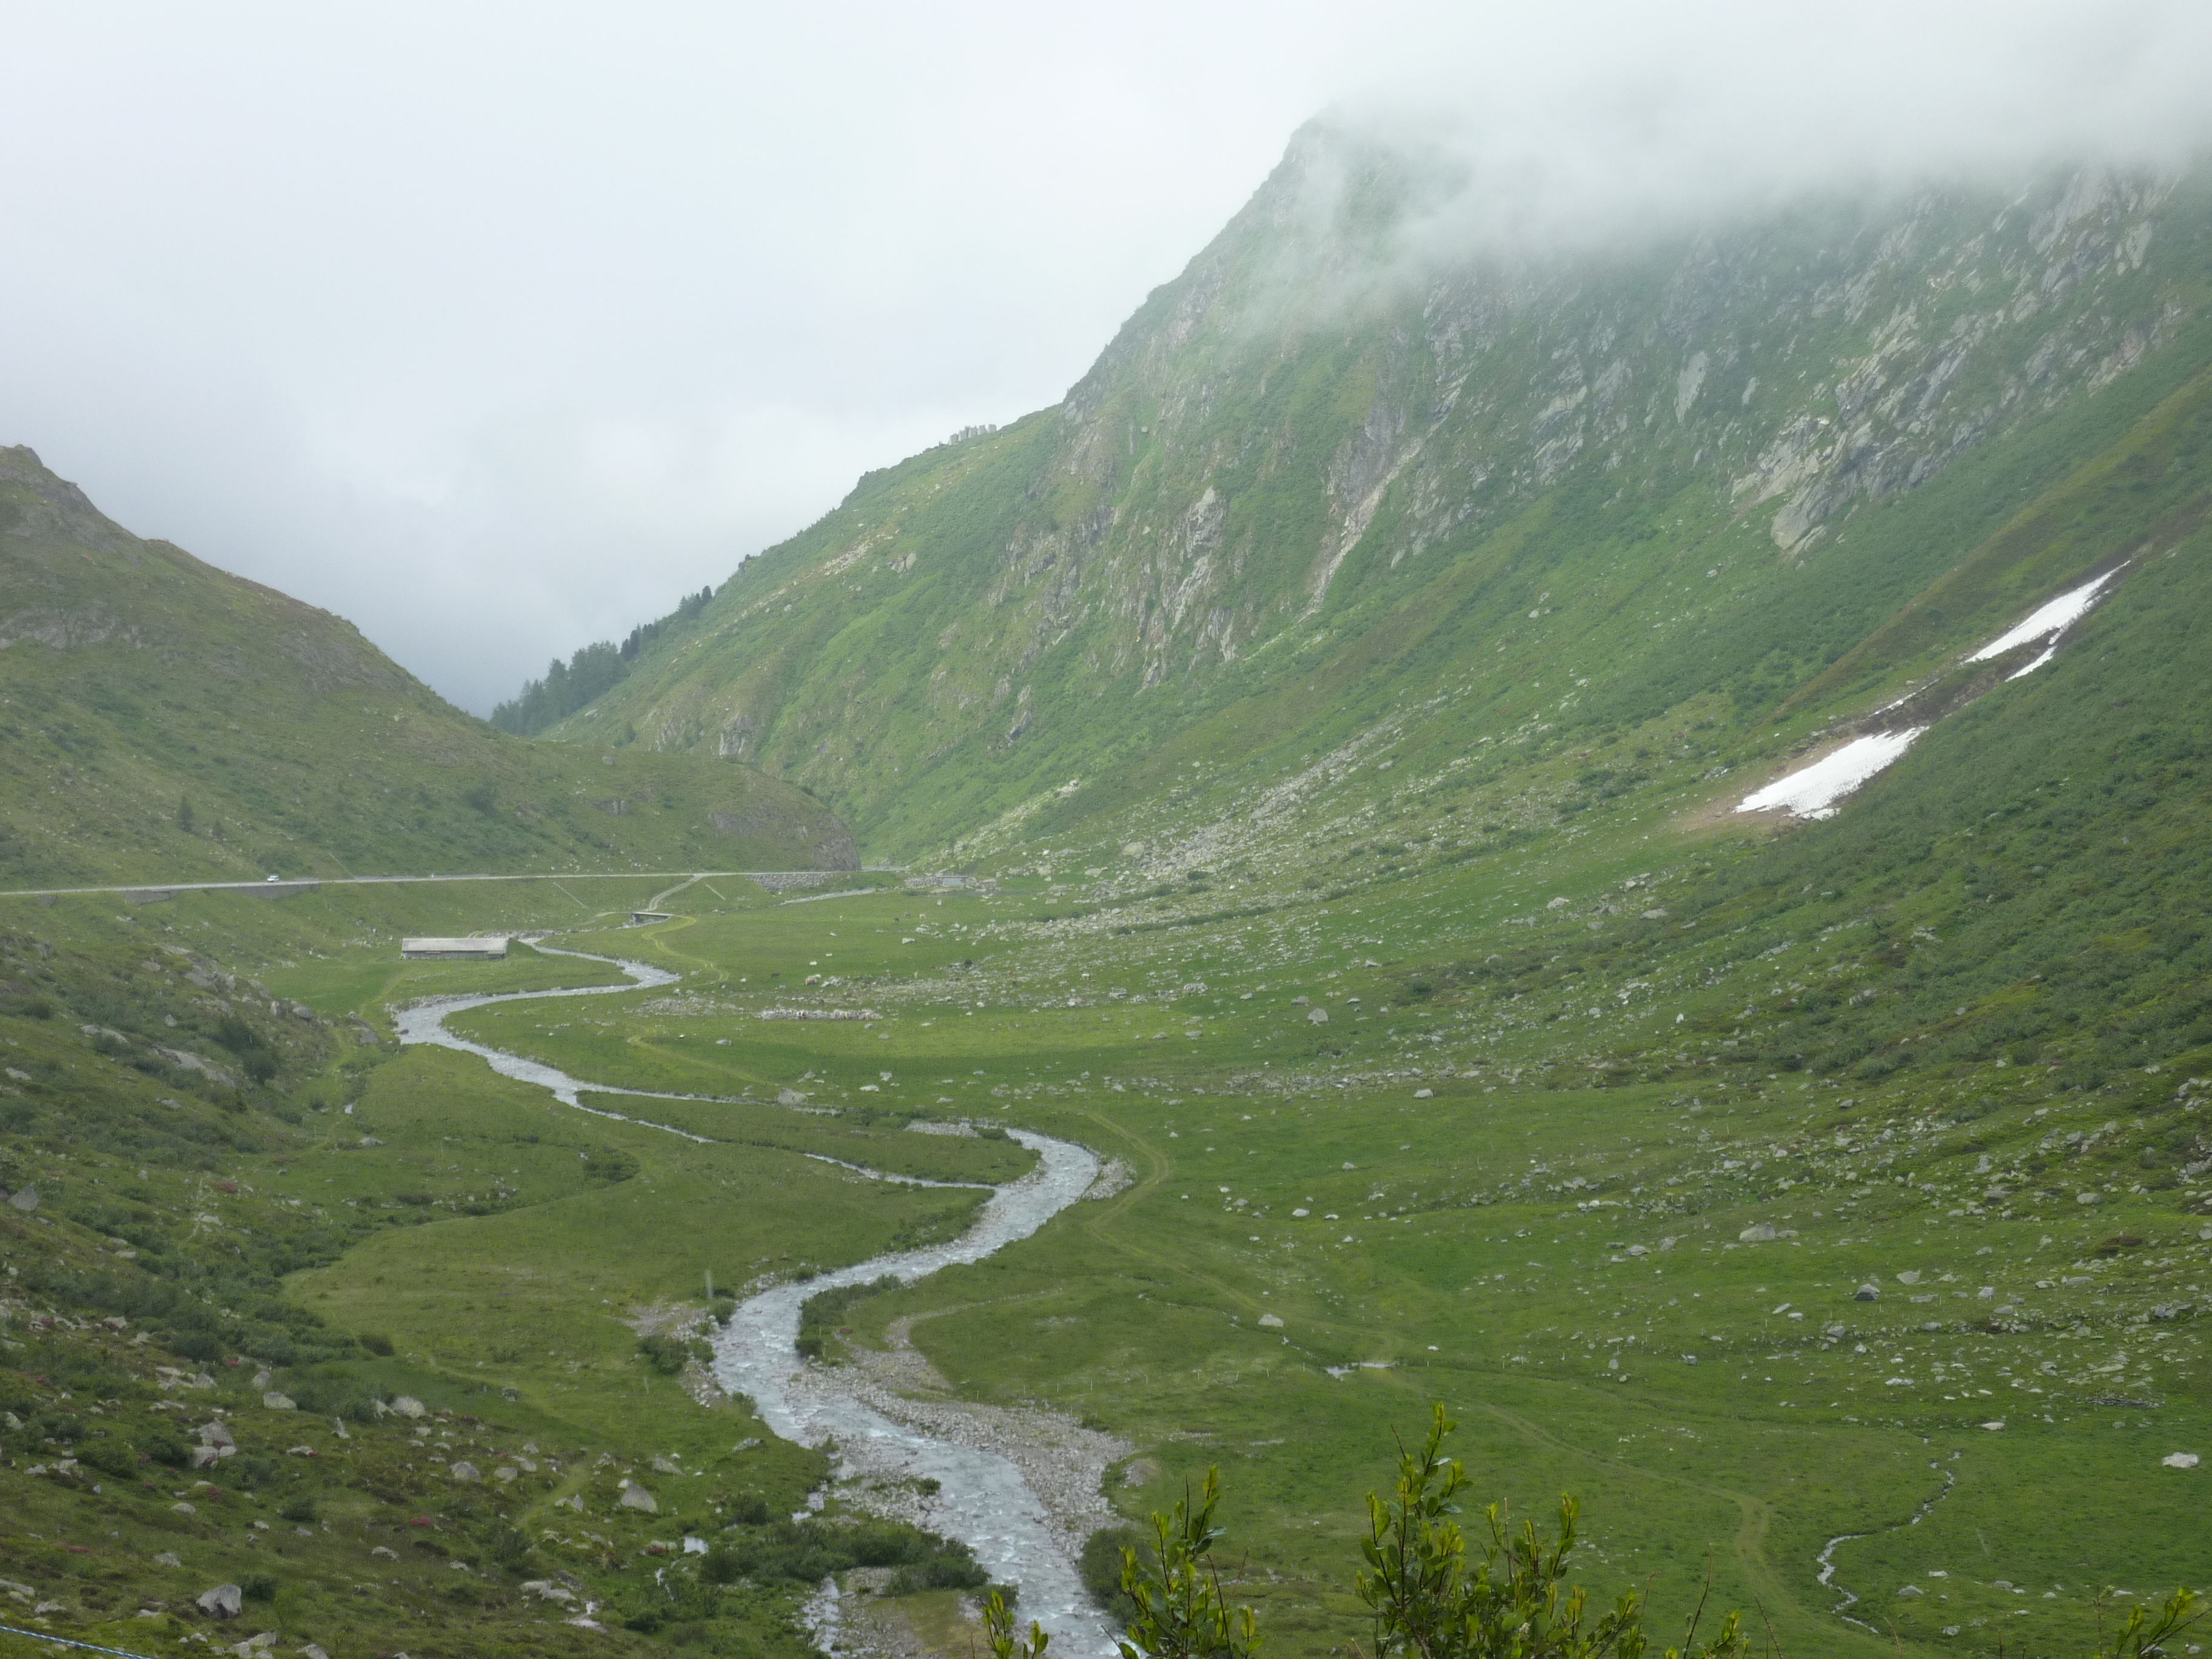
x=160 y=1276
x=161 y=720
x=1325 y=472
x=1829 y=1205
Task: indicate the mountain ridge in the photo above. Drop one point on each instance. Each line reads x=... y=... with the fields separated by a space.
x=165 y=719
x=1238 y=487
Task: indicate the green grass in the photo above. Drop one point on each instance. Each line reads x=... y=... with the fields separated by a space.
x=162 y=721
x=495 y=1257
x=1585 y=1028
x=1143 y=1313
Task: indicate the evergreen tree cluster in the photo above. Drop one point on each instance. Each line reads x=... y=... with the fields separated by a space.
x=590 y=673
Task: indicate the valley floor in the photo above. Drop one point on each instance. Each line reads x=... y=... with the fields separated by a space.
x=1920 y=1358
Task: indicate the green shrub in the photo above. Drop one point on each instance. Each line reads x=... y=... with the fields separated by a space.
x=57 y=1425
x=509 y=1547
x=821 y=1315
x=112 y=1457
x=608 y=1163
x=806 y=1552
x=254 y=1469
x=665 y=1353
x=165 y=1448
x=332 y=1392
x=1100 y=1564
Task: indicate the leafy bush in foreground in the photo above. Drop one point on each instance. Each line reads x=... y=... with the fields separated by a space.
x=1427 y=1596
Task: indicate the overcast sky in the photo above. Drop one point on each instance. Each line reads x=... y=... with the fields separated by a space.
x=497 y=327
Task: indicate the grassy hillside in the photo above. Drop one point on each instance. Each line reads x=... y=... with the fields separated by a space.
x=1827 y=1202
x=532 y=1280
x=162 y=721
x=1606 y=1097
x=1325 y=479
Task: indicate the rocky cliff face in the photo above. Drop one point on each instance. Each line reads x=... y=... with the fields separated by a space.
x=1345 y=394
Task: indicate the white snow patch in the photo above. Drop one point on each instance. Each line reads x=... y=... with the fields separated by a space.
x=1813 y=791
x=2060 y=613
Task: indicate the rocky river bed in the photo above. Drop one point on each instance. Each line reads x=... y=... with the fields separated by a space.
x=1021 y=1486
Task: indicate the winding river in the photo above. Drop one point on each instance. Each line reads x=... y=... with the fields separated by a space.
x=983 y=1500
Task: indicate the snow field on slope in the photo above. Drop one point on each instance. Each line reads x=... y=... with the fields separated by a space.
x=2046 y=620
x=1812 y=792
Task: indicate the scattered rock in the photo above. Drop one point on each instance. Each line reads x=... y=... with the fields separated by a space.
x=26 y=1201
x=167 y=1558
x=2085 y=1196
x=1271 y=1322
x=192 y=1062
x=279 y=1402
x=1115 y=1177
x=1759 y=1232
x=546 y=1590
x=1911 y=1276
x=407 y=1405
x=1317 y=1015
x=634 y=1496
x=223 y=1601
x=464 y=1470
x=1866 y=1293
x=2179 y=1460
x=1912 y=1589
x=1424 y=1094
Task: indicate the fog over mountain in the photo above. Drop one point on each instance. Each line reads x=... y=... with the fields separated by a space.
x=497 y=329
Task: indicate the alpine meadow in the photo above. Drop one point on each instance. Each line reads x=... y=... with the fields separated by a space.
x=1637 y=804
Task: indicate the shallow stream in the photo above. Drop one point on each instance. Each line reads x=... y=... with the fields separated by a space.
x=983 y=1499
